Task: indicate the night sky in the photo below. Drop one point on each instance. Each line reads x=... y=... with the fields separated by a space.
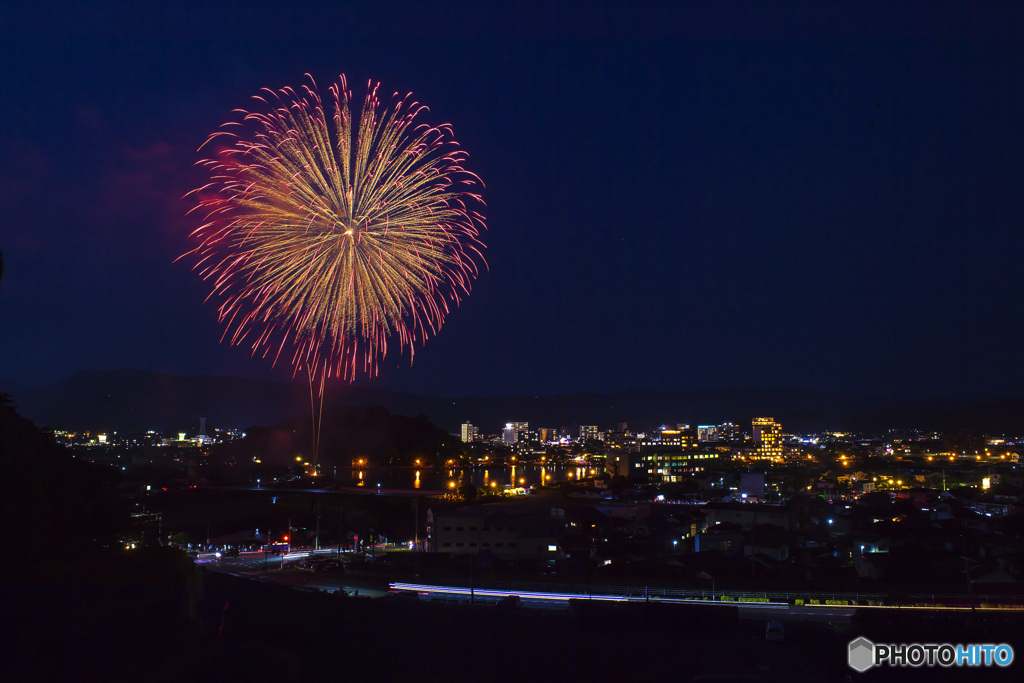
x=684 y=196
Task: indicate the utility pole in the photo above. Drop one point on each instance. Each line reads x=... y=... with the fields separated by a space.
x=416 y=530
x=316 y=542
x=970 y=586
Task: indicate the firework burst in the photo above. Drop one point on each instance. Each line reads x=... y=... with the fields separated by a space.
x=323 y=241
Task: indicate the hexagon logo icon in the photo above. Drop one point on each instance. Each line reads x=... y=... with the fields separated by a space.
x=861 y=654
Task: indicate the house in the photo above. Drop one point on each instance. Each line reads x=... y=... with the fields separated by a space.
x=503 y=530
x=747 y=515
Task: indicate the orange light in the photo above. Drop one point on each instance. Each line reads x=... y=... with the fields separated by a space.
x=286 y=538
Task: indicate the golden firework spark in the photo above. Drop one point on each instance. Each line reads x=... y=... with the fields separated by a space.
x=330 y=240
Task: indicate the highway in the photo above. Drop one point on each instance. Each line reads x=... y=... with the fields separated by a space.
x=283 y=569
x=759 y=609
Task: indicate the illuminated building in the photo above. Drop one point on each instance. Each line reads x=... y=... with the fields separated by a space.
x=588 y=432
x=707 y=433
x=673 y=466
x=620 y=442
x=767 y=439
x=670 y=439
x=728 y=431
x=469 y=433
x=617 y=464
x=515 y=431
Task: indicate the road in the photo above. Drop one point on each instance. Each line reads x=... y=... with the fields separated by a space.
x=784 y=613
x=283 y=569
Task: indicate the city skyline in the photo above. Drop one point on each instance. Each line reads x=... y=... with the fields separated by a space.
x=132 y=400
x=679 y=198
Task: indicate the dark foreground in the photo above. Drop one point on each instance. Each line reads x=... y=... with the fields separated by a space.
x=243 y=629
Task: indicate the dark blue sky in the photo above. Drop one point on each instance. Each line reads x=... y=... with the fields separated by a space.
x=684 y=196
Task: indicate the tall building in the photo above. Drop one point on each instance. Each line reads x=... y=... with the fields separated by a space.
x=469 y=433
x=514 y=432
x=728 y=431
x=707 y=433
x=767 y=438
x=588 y=432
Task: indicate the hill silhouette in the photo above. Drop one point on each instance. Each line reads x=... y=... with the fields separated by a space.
x=131 y=400
x=347 y=433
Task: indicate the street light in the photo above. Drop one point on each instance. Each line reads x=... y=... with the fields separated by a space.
x=378 y=488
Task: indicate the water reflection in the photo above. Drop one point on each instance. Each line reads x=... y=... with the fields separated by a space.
x=429 y=479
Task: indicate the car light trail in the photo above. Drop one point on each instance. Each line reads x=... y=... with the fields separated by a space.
x=728 y=601
x=489 y=593
x=565 y=597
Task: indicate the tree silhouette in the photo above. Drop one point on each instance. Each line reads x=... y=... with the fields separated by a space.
x=467 y=490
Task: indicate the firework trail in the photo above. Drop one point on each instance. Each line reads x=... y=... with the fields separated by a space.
x=324 y=240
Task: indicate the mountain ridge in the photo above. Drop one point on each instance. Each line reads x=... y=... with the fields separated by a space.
x=135 y=400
